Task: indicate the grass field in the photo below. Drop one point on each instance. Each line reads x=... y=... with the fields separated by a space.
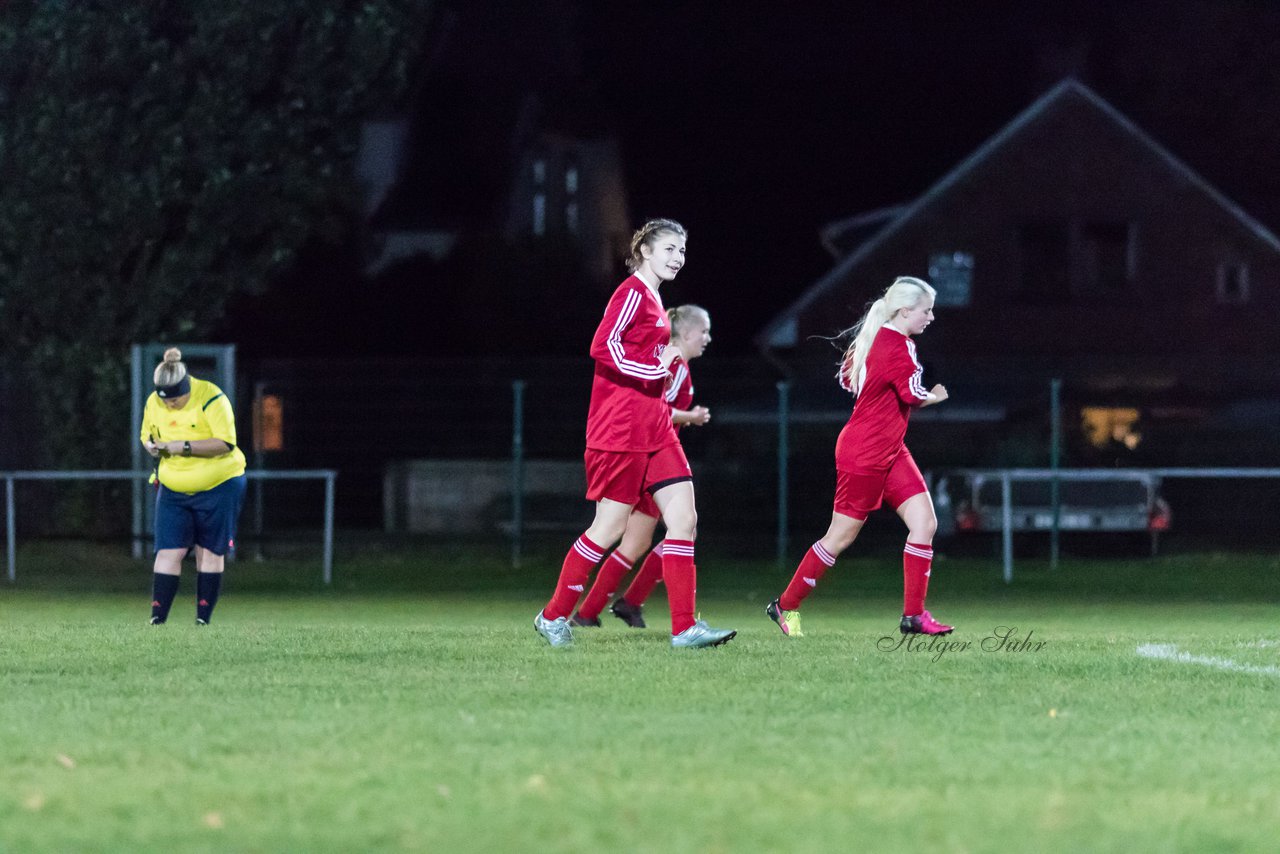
x=412 y=707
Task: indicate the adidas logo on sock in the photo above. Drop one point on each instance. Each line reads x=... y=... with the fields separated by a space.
x=576 y=587
x=812 y=582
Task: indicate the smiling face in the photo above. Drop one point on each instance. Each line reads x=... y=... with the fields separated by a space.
x=913 y=320
x=662 y=256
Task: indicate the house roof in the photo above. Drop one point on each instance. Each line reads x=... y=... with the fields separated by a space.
x=846 y=235
x=781 y=330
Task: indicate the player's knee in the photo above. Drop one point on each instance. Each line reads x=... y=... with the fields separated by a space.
x=924 y=529
x=681 y=524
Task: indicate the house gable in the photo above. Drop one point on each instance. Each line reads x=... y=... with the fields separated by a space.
x=1149 y=252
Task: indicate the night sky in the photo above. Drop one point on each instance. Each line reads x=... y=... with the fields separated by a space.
x=756 y=124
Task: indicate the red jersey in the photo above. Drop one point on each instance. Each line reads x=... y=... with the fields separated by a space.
x=679 y=392
x=628 y=411
x=890 y=387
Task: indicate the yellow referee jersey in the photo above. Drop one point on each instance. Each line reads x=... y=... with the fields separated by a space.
x=207 y=415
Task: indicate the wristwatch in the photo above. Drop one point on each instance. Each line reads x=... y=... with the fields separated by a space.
x=186 y=449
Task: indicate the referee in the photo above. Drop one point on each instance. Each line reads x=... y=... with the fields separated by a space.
x=189 y=427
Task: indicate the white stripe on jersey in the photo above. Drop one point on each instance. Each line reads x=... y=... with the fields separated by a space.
x=917 y=387
x=628 y=367
x=676 y=382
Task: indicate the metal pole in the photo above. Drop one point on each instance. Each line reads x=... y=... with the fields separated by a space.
x=517 y=472
x=1055 y=451
x=328 y=527
x=784 y=452
x=10 y=529
x=137 y=490
x=1006 y=512
x=259 y=459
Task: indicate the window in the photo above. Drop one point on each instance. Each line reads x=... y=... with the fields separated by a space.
x=539 y=172
x=571 y=217
x=539 y=214
x=571 y=180
x=1233 y=283
x=1106 y=257
x=951 y=274
x=1044 y=253
x=1106 y=426
x=1061 y=259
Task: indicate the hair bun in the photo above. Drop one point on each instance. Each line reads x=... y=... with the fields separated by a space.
x=173 y=354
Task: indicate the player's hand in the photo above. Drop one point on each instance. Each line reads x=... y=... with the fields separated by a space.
x=153 y=449
x=699 y=415
x=939 y=392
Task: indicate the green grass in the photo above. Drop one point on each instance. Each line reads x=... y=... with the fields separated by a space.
x=413 y=708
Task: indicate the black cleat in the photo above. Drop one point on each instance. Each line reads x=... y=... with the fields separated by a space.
x=632 y=615
x=200 y=622
x=578 y=620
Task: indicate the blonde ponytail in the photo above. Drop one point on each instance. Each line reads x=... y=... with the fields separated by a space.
x=905 y=292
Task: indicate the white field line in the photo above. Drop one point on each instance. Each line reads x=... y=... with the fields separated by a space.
x=1169 y=652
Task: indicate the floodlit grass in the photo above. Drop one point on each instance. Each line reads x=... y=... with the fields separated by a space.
x=414 y=708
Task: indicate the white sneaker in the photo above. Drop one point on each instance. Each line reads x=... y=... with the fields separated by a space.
x=700 y=635
x=557 y=631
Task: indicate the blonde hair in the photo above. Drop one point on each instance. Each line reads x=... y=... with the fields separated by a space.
x=171 y=371
x=649 y=234
x=905 y=292
x=682 y=315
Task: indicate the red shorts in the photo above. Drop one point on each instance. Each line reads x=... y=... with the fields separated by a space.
x=859 y=493
x=647 y=506
x=627 y=476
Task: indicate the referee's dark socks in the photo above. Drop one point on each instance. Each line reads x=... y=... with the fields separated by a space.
x=207 y=586
x=163 y=589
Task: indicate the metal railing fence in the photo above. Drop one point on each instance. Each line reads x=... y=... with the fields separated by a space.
x=329 y=476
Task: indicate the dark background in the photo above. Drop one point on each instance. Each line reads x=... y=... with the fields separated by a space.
x=755 y=124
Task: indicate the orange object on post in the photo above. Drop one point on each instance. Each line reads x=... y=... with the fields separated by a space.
x=268 y=423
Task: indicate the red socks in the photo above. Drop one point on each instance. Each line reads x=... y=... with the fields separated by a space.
x=611 y=571
x=681 y=578
x=916 y=562
x=573 y=577
x=816 y=562
x=646 y=579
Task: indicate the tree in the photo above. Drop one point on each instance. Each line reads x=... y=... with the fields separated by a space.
x=157 y=158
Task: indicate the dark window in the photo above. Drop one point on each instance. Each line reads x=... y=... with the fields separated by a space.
x=1105 y=257
x=1044 y=250
x=1233 y=283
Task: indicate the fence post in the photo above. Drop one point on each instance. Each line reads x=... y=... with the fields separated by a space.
x=10 y=526
x=328 y=527
x=1006 y=512
x=517 y=472
x=1055 y=450
x=784 y=451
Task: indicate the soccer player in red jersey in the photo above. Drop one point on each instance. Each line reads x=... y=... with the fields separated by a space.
x=632 y=446
x=690 y=334
x=873 y=464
